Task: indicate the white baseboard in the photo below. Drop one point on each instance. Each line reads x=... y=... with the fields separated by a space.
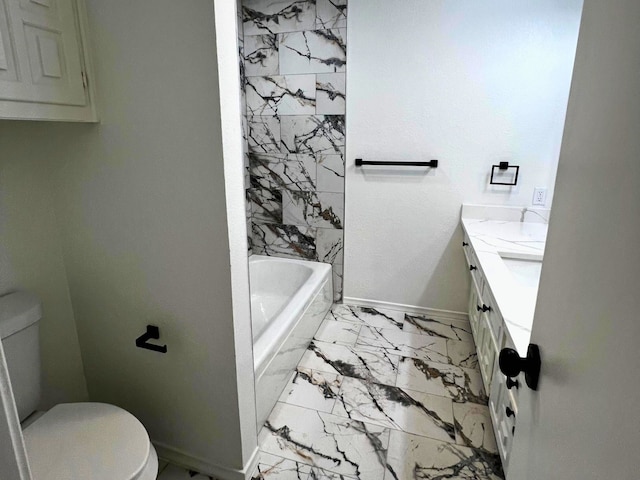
x=434 y=312
x=182 y=459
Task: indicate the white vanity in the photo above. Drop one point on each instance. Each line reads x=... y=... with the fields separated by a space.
x=504 y=247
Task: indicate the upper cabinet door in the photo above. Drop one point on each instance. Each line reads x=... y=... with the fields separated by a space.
x=40 y=55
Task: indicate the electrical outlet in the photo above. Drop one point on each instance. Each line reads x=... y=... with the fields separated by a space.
x=539 y=196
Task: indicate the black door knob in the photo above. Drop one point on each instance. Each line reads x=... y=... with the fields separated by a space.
x=465 y=244
x=472 y=267
x=509 y=412
x=512 y=383
x=511 y=364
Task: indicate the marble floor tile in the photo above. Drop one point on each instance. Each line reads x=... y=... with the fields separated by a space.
x=341 y=445
x=352 y=362
x=411 y=457
x=312 y=389
x=397 y=342
x=438 y=327
x=271 y=467
x=393 y=407
x=374 y=317
x=459 y=384
x=474 y=427
x=462 y=354
x=343 y=333
x=419 y=388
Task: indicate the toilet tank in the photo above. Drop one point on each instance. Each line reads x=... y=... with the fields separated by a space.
x=20 y=313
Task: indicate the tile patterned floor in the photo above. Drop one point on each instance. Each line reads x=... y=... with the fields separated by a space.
x=380 y=395
x=383 y=395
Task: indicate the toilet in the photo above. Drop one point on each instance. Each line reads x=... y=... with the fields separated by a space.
x=72 y=441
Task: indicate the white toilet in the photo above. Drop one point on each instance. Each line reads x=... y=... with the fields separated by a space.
x=72 y=441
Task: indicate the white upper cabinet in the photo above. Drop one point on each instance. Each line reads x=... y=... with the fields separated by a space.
x=43 y=61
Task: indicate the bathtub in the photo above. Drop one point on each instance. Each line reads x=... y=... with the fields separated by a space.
x=289 y=299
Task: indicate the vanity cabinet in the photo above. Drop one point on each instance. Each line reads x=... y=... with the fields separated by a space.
x=44 y=61
x=490 y=336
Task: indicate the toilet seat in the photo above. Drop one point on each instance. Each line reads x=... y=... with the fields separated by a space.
x=89 y=441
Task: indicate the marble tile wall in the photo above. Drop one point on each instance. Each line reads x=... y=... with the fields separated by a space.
x=293 y=64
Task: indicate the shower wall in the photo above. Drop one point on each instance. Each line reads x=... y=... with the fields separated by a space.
x=293 y=64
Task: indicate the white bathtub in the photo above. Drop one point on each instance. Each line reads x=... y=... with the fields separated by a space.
x=289 y=299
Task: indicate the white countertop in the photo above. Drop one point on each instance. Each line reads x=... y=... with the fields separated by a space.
x=491 y=239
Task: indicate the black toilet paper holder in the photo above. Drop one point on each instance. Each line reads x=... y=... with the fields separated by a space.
x=152 y=333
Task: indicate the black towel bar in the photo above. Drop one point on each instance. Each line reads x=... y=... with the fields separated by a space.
x=431 y=163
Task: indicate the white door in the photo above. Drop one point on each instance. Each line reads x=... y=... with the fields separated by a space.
x=583 y=422
x=40 y=59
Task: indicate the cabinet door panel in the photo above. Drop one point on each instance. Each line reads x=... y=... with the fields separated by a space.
x=504 y=426
x=46 y=52
x=474 y=315
x=486 y=351
x=8 y=61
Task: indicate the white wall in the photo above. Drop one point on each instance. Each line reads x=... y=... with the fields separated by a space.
x=234 y=173
x=31 y=257
x=468 y=83
x=140 y=200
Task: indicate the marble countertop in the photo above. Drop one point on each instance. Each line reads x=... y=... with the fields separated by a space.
x=499 y=235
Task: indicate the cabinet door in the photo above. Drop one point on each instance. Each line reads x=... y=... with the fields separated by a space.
x=500 y=400
x=40 y=59
x=474 y=315
x=486 y=351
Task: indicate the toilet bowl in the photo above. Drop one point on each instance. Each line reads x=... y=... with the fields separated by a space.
x=89 y=441
x=71 y=441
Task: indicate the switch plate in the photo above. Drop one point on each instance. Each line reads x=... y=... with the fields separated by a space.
x=539 y=196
